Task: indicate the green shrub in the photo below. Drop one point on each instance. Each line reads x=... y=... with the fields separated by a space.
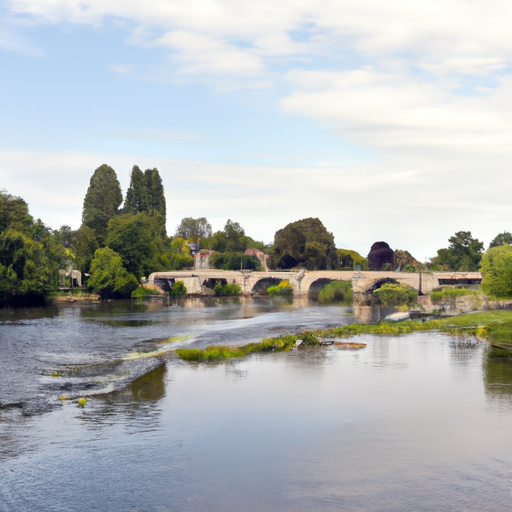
x=283 y=289
x=228 y=289
x=336 y=292
x=450 y=294
x=394 y=294
x=179 y=288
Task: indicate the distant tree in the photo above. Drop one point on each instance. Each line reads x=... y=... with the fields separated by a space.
x=14 y=213
x=231 y=239
x=349 y=259
x=463 y=254
x=305 y=243
x=102 y=201
x=504 y=238
x=155 y=198
x=194 y=229
x=234 y=261
x=136 y=195
x=497 y=271
x=133 y=238
x=405 y=261
x=108 y=275
x=85 y=245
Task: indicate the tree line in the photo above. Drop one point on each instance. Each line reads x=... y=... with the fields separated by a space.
x=123 y=238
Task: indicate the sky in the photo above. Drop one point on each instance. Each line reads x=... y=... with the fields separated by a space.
x=387 y=120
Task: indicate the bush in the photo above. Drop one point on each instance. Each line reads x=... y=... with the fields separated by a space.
x=336 y=292
x=178 y=288
x=393 y=294
x=450 y=294
x=283 y=289
x=228 y=289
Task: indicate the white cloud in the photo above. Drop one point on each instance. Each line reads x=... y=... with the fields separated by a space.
x=201 y=54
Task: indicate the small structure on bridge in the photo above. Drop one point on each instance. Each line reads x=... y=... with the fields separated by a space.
x=202 y=259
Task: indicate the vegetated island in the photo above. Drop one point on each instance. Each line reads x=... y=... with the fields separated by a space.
x=492 y=326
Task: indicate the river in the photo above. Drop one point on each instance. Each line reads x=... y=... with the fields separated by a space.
x=419 y=422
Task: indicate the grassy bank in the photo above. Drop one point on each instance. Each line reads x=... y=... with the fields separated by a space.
x=495 y=326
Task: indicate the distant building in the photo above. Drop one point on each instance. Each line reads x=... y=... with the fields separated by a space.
x=66 y=275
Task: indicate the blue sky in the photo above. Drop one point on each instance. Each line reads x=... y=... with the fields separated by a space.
x=387 y=121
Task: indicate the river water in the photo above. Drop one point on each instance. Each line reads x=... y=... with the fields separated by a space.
x=419 y=422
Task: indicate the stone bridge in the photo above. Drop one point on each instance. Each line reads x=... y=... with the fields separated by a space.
x=201 y=282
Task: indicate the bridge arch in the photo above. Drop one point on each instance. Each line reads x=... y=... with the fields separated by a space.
x=316 y=286
x=260 y=286
x=212 y=281
x=379 y=282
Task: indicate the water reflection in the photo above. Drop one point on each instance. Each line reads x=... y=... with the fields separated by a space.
x=372 y=314
x=136 y=406
x=497 y=372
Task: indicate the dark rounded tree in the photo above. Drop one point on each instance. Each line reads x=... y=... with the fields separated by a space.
x=305 y=243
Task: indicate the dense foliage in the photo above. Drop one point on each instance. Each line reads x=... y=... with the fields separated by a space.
x=229 y=289
x=305 y=243
x=393 y=294
x=101 y=201
x=504 y=238
x=234 y=261
x=31 y=254
x=336 y=292
x=348 y=259
x=497 y=271
x=108 y=276
x=463 y=253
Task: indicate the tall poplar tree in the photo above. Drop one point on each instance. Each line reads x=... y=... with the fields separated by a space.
x=136 y=195
x=102 y=201
x=155 y=196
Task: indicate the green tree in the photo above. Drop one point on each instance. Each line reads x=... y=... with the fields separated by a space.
x=305 y=243
x=504 y=238
x=109 y=277
x=136 y=195
x=101 y=201
x=497 y=271
x=14 y=213
x=194 y=229
x=349 y=259
x=84 y=247
x=155 y=198
x=463 y=254
x=234 y=261
x=133 y=238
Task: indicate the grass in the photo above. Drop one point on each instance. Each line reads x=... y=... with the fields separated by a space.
x=145 y=291
x=495 y=326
